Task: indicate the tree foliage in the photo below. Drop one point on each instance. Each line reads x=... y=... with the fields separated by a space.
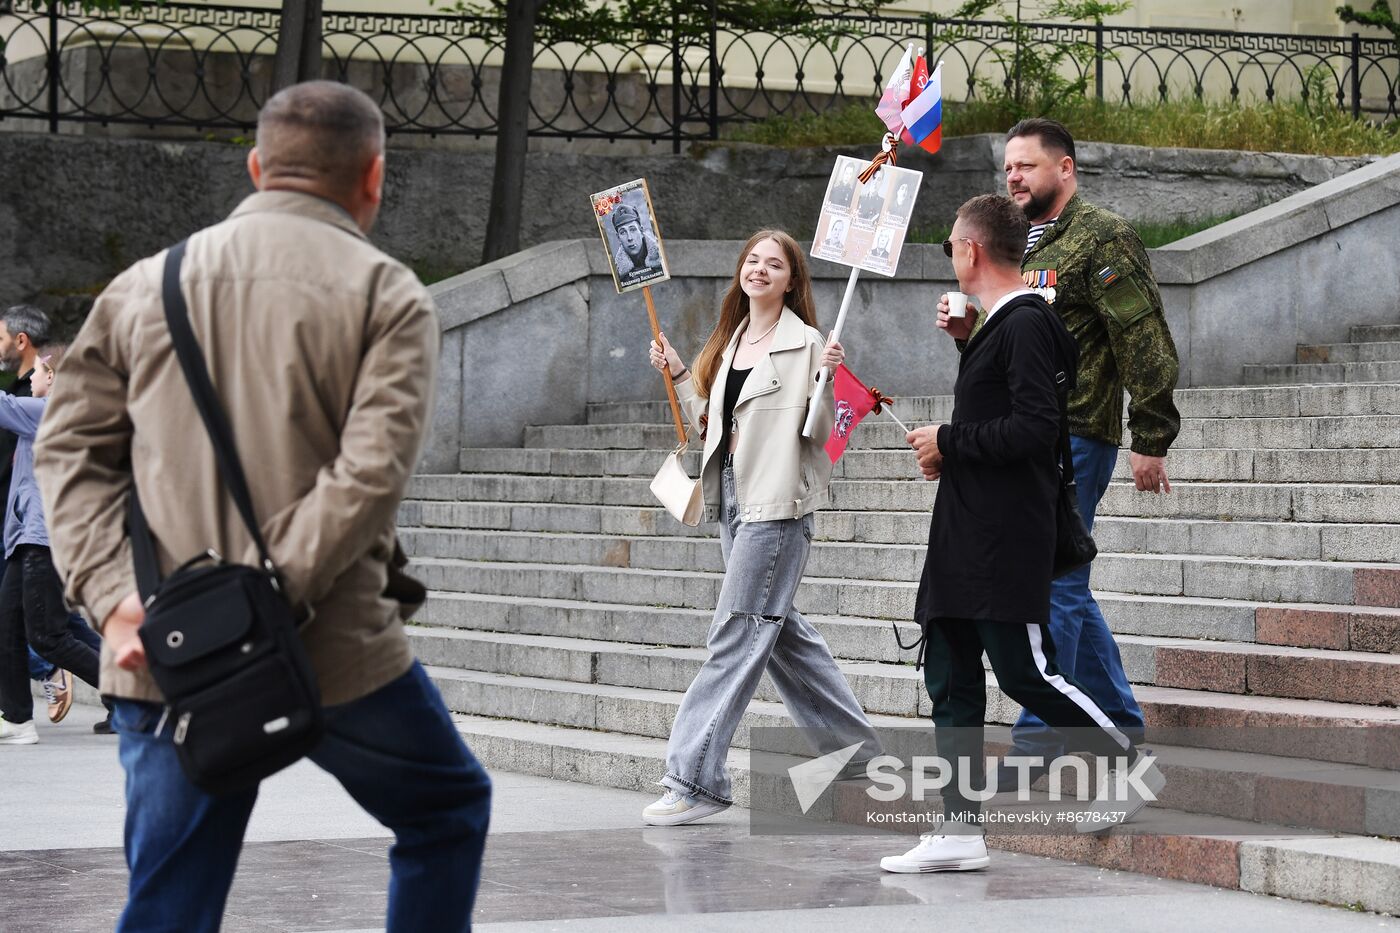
x=1036 y=67
x=598 y=21
x=1379 y=15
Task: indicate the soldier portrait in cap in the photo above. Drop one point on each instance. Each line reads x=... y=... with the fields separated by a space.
x=628 y=227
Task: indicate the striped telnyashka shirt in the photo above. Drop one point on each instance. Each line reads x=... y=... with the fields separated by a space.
x=1036 y=231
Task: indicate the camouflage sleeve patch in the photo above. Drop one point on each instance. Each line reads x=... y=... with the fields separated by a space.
x=1121 y=278
x=1126 y=302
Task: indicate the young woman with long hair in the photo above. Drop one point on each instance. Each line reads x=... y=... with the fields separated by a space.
x=747 y=395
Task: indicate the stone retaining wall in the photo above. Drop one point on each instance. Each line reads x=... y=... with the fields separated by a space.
x=536 y=337
x=74 y=211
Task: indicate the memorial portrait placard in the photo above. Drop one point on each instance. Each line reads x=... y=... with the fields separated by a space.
x=864 y=224
x=627 y=224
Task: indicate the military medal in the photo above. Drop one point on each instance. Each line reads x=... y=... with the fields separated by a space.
x=1042 y=282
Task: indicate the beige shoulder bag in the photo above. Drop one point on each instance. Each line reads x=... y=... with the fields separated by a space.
x=673 y=486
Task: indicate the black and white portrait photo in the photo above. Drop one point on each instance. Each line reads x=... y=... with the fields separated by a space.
x=880 y=250
x=836 y=234
x=902 y=204
x=872 y=195
x=628 y=226
x=843 y=186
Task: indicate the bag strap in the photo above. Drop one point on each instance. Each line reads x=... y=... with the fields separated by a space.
x=211 y=412
x=1066 y=453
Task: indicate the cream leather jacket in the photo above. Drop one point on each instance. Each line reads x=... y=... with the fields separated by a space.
x=777 y=472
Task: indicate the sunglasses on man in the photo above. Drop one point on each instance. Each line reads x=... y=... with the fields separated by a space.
x=948 y=245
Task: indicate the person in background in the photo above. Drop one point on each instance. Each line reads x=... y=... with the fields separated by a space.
x=31 y=594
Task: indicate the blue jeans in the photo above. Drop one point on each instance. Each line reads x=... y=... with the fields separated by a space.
x=397 y=753
x=756 y=629
x=1084 y=647
x=40 y=669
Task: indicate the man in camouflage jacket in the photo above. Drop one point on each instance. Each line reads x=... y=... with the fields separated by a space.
x=1092 y=267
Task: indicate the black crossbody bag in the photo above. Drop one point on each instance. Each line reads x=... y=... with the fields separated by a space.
x=221 y=639
x=1074 y=546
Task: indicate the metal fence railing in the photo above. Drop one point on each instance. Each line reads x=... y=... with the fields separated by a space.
x=208 y=67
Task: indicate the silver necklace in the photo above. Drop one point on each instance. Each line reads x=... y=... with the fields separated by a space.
x=764 y=334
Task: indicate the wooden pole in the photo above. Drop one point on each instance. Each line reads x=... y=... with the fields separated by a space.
x=665 y=370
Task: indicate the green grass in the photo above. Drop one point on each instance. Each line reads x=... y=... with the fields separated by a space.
x=1160 y=234
x=1153 y=233
x=1190 y=124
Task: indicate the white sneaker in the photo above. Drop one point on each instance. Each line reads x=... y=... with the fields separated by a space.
x=1119 y=800
x=676 y=808
x=941 y=851
x=25 y=733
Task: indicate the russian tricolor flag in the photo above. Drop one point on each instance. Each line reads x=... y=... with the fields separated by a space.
x=923 y=115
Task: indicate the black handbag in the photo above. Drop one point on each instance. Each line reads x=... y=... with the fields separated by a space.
x=1074 y=546
x=221 y=639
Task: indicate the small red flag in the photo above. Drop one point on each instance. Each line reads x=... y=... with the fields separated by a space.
x=853 y=402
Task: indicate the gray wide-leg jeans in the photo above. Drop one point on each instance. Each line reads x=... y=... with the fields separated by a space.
x=756 y=628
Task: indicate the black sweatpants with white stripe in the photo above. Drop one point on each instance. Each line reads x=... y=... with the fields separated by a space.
x=1023 y=659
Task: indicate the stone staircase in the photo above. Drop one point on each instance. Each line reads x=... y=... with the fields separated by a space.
x=1372 y=356
x=1262 y=598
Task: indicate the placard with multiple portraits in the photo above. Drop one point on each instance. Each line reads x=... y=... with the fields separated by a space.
x=628 y=226
x=864 y=225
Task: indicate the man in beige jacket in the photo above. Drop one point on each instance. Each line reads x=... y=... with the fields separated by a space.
x=323 y=351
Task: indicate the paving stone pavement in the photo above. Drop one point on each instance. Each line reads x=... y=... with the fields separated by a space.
x=566 y=856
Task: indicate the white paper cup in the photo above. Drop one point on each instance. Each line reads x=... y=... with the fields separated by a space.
x=957 y=304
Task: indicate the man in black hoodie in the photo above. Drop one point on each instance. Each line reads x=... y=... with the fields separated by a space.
x=986 y=579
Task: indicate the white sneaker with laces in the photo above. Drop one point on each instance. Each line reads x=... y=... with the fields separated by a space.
x=942 y=851
x=675 y=808
x=1119 y=800
x=25 y=733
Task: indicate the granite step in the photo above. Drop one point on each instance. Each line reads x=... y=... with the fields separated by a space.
x=1278 y=539
x=1301 y=625
x=1221 y=782
x=1337 y=734
x=1347 y=870
x=1333 y=583
x=1358 y=503
x=1315 y=373
x=1192 y=664
x=1336 y=432
x=1364 y=333
x=1214 y=402
x=1167 y=574
x=1370 y=351
x=1303 y=465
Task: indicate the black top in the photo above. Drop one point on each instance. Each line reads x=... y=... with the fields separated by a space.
x=9 y=440
x=992 y=538
x=733 y=388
